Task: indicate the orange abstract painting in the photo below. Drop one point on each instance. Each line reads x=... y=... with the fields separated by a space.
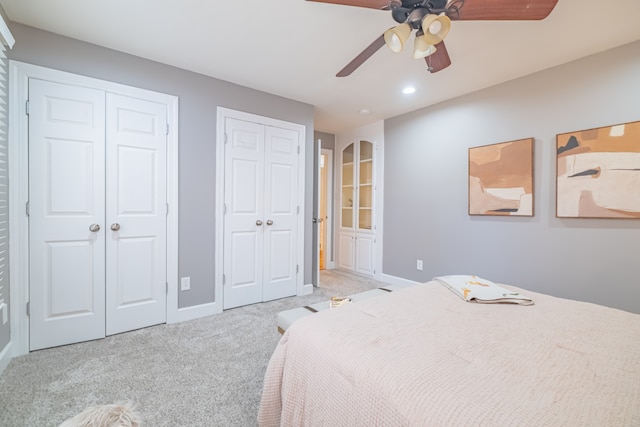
x=598 y=172
x=501 y=179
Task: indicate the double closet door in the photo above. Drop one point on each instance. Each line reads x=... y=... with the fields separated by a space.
x=97 y=213
x=261 y=211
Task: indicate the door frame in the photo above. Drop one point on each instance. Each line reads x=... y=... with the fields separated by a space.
x=329 y=262
x=19 y=75
x=222 y=114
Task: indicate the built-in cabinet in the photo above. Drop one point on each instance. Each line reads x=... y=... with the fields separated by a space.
x=357 y=231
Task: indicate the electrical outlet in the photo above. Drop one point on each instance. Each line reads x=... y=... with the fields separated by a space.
x=419 y=265
x=185 y=283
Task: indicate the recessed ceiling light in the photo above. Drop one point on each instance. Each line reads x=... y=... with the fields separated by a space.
x=365 y=111
x=408 y=90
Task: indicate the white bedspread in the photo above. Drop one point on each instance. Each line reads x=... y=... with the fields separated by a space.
x=423 y=357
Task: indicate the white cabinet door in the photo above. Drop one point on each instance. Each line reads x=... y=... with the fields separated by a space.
x=346 y=251
x=364 y=253
x=260 y=231
x=136 y=213
x=357 y=235
x=67 y=202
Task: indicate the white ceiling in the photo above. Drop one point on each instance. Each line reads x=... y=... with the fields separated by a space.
x=294 y=48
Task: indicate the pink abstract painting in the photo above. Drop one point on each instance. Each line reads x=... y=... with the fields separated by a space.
x=501 y=179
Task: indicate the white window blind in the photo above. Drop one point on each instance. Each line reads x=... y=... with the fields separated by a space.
x=4 y=187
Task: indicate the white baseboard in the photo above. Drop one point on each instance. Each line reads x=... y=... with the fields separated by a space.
x=5 y=357
x=398 y=281
x=197 y=311
x=307 y=289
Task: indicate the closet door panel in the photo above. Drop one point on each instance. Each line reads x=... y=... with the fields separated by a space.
x=244 y=206
x=66 y=218
x=136 y=213
x=280 y=212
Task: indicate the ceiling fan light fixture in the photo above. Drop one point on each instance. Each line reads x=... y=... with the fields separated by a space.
x=422 y=48
x=396 y=37
x=435 y=28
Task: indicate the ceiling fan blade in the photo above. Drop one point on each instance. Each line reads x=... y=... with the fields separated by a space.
x=504 y=10
x=363 y=56
x=439 y=60
x=372 y=4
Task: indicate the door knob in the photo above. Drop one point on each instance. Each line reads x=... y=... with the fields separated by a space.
x=258 y=222
x=94 y=227
x=115 y=226
x=269 y=222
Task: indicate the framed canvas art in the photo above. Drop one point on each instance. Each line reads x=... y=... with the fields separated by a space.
x=598 y=172
x=501 y=179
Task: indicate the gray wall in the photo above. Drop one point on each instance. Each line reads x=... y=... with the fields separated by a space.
x=327 y=140
x=426 y=172
x=199 y=98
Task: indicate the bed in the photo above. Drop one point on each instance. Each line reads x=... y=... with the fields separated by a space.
x=422 y=356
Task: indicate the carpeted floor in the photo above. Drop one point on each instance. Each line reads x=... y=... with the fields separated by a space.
x=204 y=372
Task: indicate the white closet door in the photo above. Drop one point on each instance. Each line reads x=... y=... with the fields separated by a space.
x=280 y=213
x=244 y=207
x=261 y=204
x=136 y=213
x=66 y=188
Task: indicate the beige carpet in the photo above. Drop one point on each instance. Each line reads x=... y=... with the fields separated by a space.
x=205 y=372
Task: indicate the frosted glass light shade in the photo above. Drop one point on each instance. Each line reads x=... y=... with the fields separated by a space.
x=435 y=28
x=396 y=37
x=422 y=48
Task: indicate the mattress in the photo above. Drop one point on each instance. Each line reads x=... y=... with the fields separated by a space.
x=423 y=356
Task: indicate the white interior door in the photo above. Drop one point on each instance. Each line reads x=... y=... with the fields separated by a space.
x=244 y=208
x=135 y=226
x=97 y=188
x=66 y=209
x=280 y=213
x=317 y=214
x=261 y=208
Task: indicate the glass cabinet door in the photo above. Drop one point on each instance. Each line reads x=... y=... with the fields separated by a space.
x=365 y=185
x=357 y=186
x=348 y=190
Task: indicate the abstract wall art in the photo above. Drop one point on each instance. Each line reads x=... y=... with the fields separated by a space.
x=598 y=172
x=501 y=179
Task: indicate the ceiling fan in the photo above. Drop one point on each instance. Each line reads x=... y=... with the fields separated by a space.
x=432 y=21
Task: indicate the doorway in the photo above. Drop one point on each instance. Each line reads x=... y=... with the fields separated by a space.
x=325 y=239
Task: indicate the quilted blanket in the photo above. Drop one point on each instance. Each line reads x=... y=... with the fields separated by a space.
x=421 y=356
